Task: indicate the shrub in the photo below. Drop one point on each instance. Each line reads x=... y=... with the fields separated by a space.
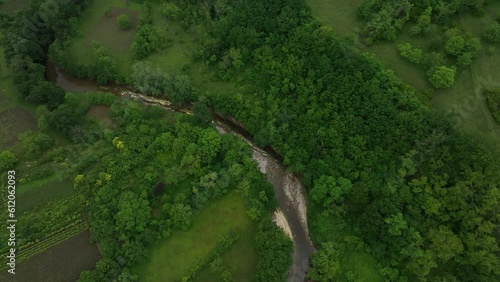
x=171 y=11
x=148 y=39
x=441 y=76
x=7 y=160
x=40 y=143
x=414 y=55
x=492 y=34
x=124 y=22
x=433 y=59
x=148 y=79
x=454 y=45
x=104 y=66
x=465 y=49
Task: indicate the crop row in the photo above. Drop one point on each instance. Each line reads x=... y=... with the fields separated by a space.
x=34 y=248
x=54 y=239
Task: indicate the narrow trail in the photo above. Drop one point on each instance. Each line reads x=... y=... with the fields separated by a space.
x=292 y=214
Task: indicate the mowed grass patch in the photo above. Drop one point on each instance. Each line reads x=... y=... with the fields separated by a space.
x=409 y=73
x=242 y=270
x=173 y=257
x=61 y=263
x=12 y=123
x=461 y=100
x=178 y=54
x=339 y=15
x=106 y=31
x=99 y=24
x=12 y=6
x=40 y=193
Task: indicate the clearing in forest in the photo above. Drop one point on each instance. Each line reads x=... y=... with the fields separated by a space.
x=174 y=257
x=99 y=23
x=106 y=30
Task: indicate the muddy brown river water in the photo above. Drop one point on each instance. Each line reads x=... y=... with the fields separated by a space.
x=288 y=189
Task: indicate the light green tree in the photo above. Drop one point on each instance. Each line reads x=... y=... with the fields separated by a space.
x=124 y=22
x=329 y=190
x=7 y=160
x=442 y=76
x=325 y=263
x=396 y=223
x=445 y=243
x=407 y=51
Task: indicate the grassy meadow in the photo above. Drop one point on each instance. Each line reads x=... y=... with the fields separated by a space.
x=172 y=258
x=36 y=194
x=99 y=24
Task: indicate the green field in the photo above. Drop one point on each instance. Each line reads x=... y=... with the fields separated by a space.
x=98 y=23
x=243 y=270
x=38 y=193
x=340 y=15
x=172 y=258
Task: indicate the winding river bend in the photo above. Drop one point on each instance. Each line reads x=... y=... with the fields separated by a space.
x=288 y=188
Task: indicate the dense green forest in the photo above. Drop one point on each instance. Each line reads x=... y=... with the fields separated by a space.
x=381 y=168
x=378 y=163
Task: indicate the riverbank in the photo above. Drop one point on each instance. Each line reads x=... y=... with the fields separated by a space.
x=288 y=189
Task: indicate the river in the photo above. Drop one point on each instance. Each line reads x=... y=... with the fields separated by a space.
x=288 y=189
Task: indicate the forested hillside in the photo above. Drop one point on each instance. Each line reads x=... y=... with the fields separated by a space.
x=379 y=165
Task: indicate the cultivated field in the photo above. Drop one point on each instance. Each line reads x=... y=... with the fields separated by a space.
x=100 y=113
x=41 y=192
x=11 y=6
x=14 y=122
x=61 y=263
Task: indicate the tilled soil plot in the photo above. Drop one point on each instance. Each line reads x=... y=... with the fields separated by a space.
x=62 y=263
x=12 y=123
